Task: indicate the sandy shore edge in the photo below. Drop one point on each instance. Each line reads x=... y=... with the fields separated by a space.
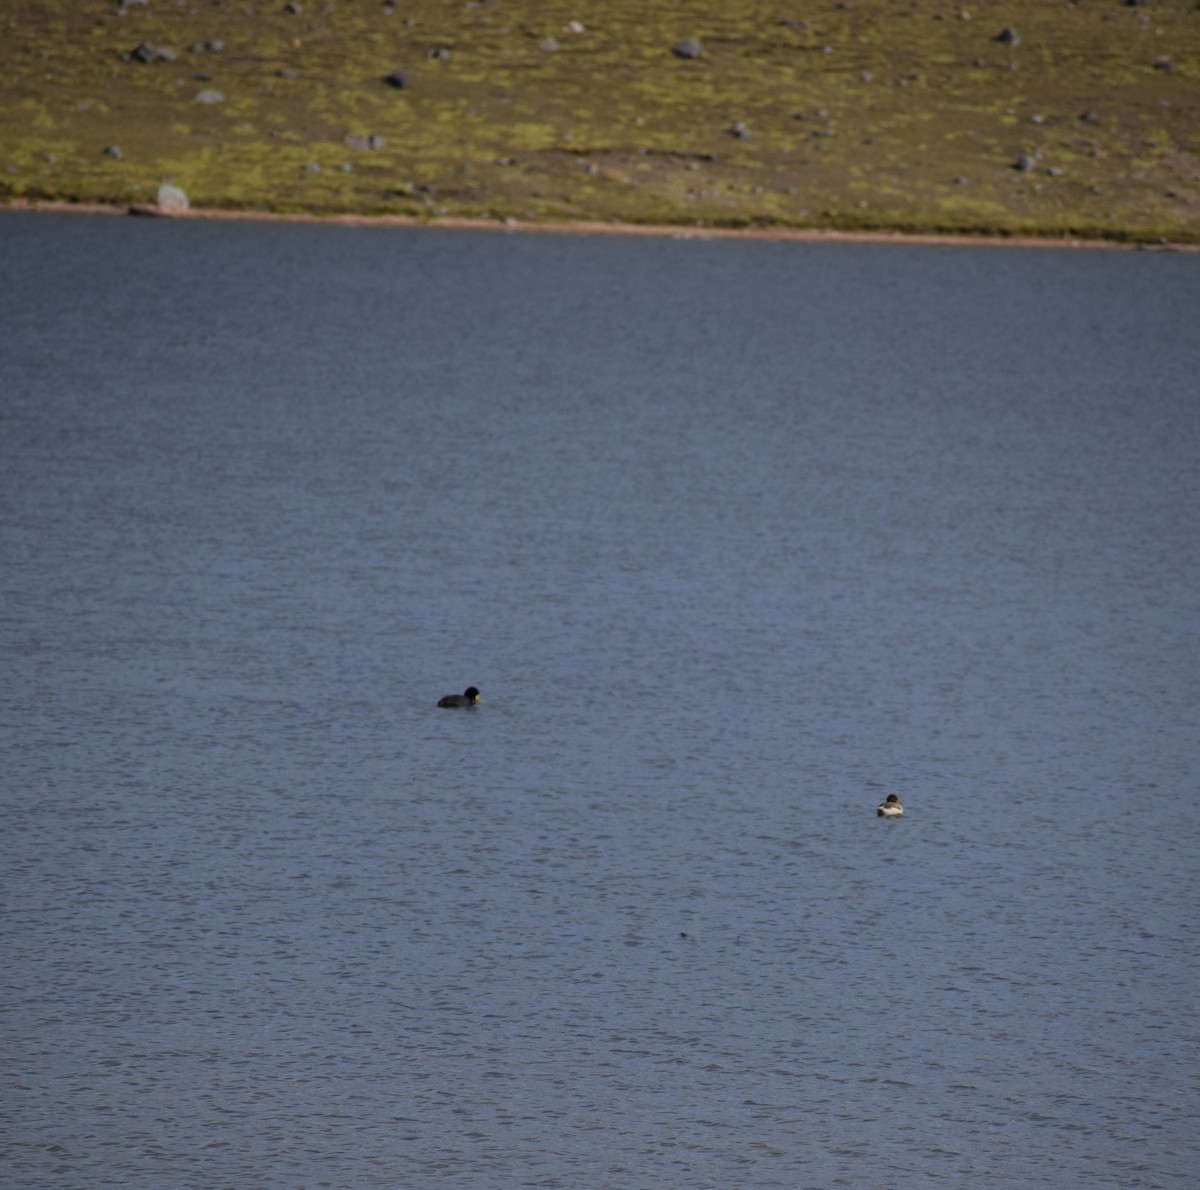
x=586 y=227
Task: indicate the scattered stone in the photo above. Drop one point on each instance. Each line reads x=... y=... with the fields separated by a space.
x=171 y=199
x=1165 y=65
x=293 y=7
x=1008 y=36
x=573 y=27
x=215 y=46
x=148 y=53
x=210 y=97
x=866 y=77
x=1090 y=118
x=196 y=48
x=366 y=143
x=397 y=79
x=286 y=73
x=688 y=48
x=960 y=180
x=1054 y=172
x=113 y=151
x=1037 y=119
x=548 y=45
x=313 y=167
x=1025 y=163
x=740 y=130
x=202 y=76
x=438 y=53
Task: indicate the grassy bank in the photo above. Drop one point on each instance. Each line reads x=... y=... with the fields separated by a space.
x=865 y=114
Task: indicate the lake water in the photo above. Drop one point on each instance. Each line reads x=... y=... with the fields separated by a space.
x=735 y=538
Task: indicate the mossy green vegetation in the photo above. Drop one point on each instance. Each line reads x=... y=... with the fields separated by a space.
x=852 y=115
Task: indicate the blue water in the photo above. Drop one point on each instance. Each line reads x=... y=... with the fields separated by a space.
x=735 y=538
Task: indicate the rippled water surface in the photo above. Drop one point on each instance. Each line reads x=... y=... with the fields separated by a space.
x=735 y=539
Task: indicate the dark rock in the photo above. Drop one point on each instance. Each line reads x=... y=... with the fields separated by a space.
x=689 y=48
x=1165 y=65
x=397 y=79
x=1008 y=36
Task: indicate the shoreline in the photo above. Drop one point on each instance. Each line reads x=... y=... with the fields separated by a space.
x=595 y=227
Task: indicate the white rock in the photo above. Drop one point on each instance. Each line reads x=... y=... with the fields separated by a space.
x=171 y=198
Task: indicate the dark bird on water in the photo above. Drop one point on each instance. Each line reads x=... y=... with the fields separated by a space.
x=468 y=698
